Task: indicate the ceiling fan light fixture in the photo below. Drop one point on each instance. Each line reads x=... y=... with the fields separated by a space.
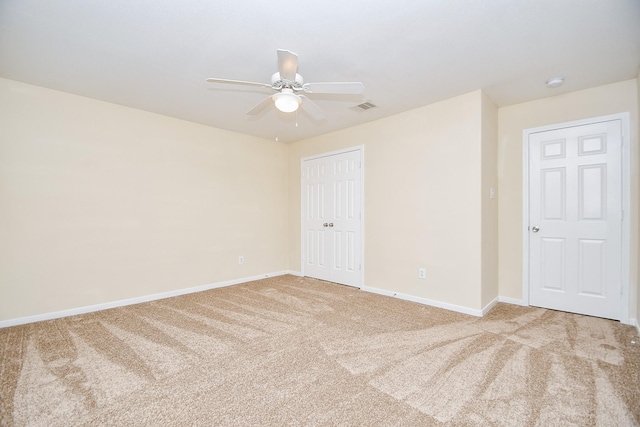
x=287 y=101
x=286 y=82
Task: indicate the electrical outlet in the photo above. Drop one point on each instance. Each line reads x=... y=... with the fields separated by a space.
x=422 y=273
x=240 y=259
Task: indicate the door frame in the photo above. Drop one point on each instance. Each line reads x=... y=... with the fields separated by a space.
x=625 y=266
x=359 y=148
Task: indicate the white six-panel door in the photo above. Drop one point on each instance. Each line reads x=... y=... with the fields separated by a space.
x=331 y=217
x=575 y=213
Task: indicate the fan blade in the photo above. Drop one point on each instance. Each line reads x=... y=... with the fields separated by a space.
x=339 y=88
x=312 y=108
x=255 y=110
x=287 y=64
x=237 y=82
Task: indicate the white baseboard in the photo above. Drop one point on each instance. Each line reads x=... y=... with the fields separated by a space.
x=178 y=292
x=634 y=322
x=513 y=301
x=294 y=273
x=489 y=306
x=425 y=301
x=137 y=300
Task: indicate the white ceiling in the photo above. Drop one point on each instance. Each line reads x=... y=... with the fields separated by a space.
x=155 y=55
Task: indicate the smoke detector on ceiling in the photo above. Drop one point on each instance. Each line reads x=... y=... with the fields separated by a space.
x=555 y=82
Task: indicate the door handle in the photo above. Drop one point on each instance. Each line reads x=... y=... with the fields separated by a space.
x=535 y=229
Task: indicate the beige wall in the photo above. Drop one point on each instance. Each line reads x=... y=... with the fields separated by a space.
x=422 y=199
x=599 y=101
x=489 y=205
x=100 y=203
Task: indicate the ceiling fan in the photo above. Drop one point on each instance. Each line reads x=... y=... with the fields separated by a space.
x=287 y=83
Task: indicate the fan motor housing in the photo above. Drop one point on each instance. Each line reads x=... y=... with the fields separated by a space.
x=278 y=82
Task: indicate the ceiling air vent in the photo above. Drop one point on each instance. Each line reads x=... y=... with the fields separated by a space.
x=367 y=105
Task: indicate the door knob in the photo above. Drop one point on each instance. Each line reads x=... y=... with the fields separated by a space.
x=325 y=224
x=535 y=229
x=330 y=224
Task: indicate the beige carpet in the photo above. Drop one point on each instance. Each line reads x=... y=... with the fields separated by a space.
x=294 y=351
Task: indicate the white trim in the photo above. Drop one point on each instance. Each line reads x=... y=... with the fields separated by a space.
x=332 y=153
x=137 y=300
x=625 y=262
x=487 y=308
x=634 y=322
x=625 y=265
x=525 y=217
x=359 y=148
x=513 y=301
x=295 y=273
x=425 y=301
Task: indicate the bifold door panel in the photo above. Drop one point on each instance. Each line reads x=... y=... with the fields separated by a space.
x=331 y=218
